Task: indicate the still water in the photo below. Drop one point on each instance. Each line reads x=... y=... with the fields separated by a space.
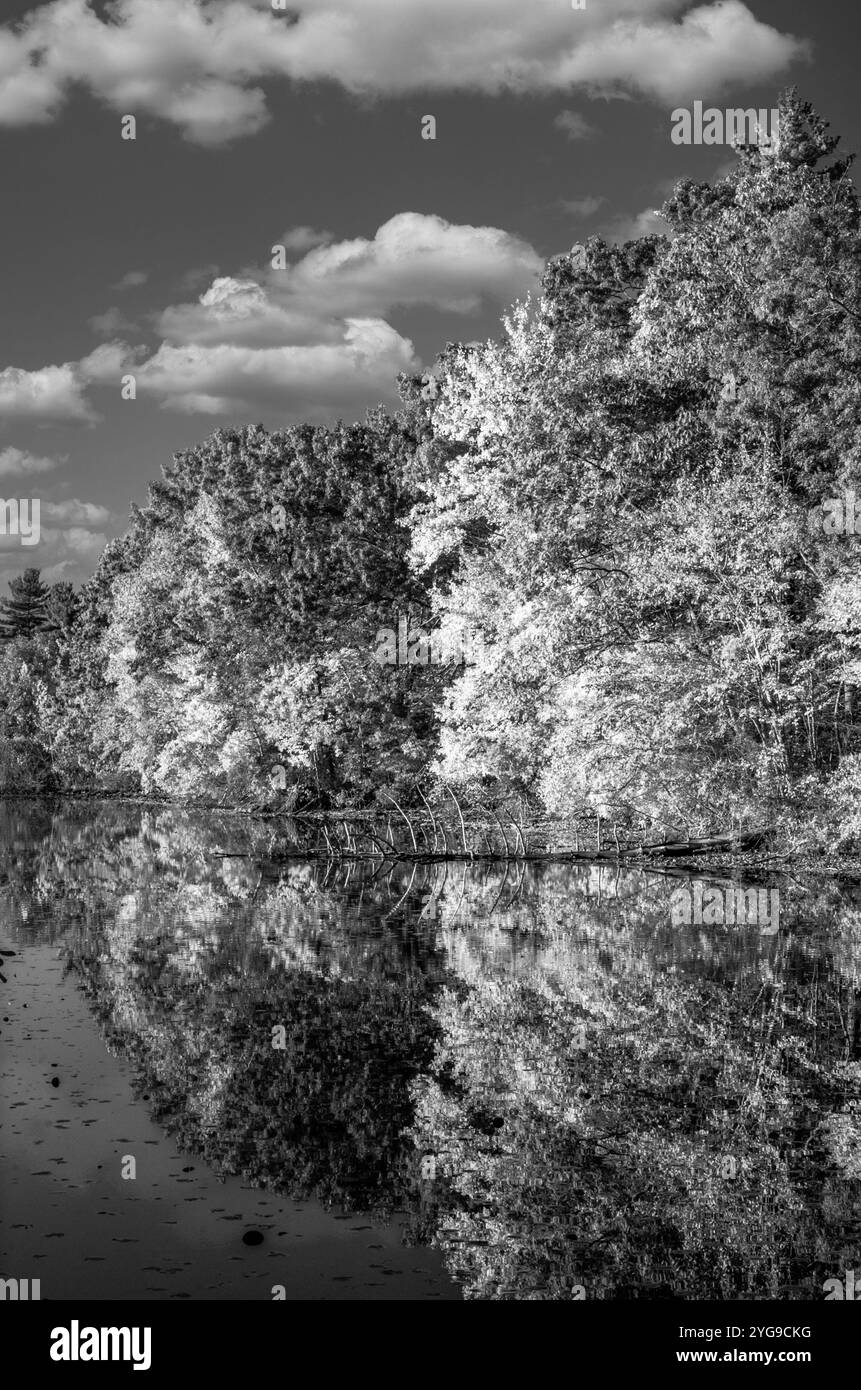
x=227 y=1075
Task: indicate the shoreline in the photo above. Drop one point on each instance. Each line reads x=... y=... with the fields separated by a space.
x=657 y=858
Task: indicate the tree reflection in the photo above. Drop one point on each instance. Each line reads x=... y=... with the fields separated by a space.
x=611 y=1102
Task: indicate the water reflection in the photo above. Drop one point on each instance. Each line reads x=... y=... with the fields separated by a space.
x=565 y=1091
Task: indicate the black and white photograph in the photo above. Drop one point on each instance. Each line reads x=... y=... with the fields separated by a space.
x=430 y=666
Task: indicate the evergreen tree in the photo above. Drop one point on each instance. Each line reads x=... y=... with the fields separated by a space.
x=62 y=607
x=26 y=612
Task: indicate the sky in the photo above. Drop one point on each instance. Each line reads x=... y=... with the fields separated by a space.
x=257 y=127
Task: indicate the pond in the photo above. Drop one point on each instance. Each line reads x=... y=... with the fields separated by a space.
x=230 y=1074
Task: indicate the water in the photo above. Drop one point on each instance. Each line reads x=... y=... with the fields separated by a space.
x=431 y=1083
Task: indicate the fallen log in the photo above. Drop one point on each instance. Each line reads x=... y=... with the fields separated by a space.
x=739 y=842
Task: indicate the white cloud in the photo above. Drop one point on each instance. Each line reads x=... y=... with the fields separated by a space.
x=414 y=258
x=649 y=222
x=198 y=276
x=105 y=364
x=112 y=321
x=709 y=47
x=58 y=392
x=48 y=393
x=131 y=280
x=82 y=541
x=196 y=63
x=307 y=381
x=244 y=313
x=20 y=463
x=304 y=238
x=312 y=339
x=76 y=511
x=69 y=546
x=575 y=126
x=29 y=95
x=63 y=552
x=213 y=112
x=583 y=207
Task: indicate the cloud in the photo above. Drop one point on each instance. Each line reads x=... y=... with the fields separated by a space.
x=110 y=322
x=649 y=222
x=575 y=126
x=69 y=548
x=213 y=112
x=76 y=511
x=19 y=463
x=63 y=552
x=58 y=392
x=48 y=393
x=198 y=63
x=77 y=551
x=709 y=48
x=105 y=364
x=414 y=258
x=131 y=280
x=304 y=238
x=29 y=95
x=312 y=339
x=200 y=275
x=583 y=207
x=306 y=381
x=242 y=312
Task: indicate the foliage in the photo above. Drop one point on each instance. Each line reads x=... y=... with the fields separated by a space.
x=702 y=1142
x=622 y=501
x=26 y=612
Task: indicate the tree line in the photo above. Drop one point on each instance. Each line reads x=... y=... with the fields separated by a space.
x=624 y=498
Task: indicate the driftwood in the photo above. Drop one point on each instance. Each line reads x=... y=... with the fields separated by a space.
x=751 y=839
x=543 y=842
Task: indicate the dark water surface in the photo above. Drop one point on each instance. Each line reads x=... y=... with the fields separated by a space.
x=411 y=1083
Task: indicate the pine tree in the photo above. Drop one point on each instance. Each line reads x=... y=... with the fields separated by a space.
x=62 y=607
x=26 y=612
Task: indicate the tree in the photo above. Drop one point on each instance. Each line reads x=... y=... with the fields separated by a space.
x=26 y=612
x=236 y=626
x=625 y=505
x=622 y=506
x=62 y=607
